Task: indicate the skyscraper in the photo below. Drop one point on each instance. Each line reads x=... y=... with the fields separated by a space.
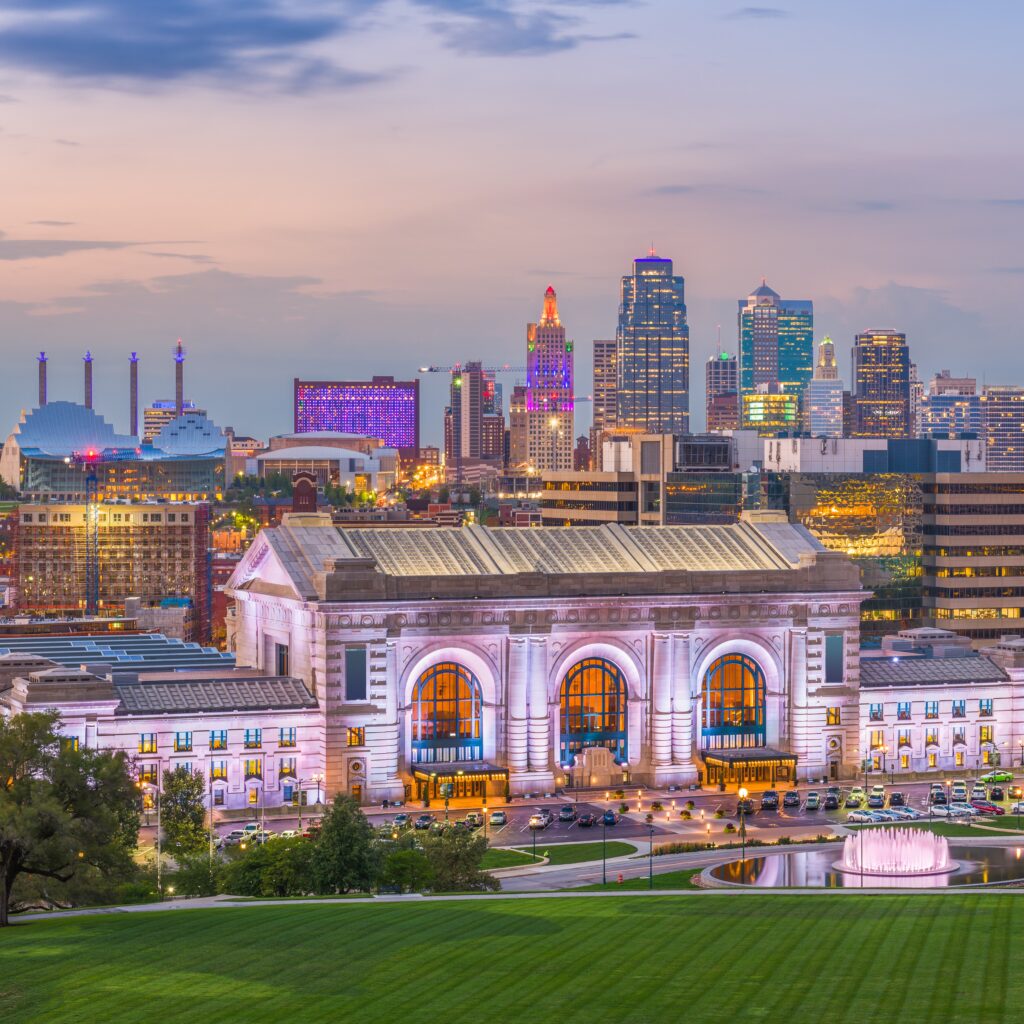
x=1003 y=415
x=653 y=350
x=464 y=416
x=721 y=391
x=549 y=390
x=383 y=407
x=604 y=384
x=823 y=396
x=951 y=406
x=881 y=384
x=776 y=339
x=518 y=455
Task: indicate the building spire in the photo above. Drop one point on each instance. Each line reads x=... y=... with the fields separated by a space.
x=549 y=318
x=651 y=252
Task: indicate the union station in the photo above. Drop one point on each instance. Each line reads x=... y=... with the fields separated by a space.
x=477 y=662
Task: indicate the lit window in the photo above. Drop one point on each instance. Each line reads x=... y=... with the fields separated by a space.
x=904 y=760
x=219 y=740
x=218 y=769
x=254 y=768
x=931 y=738
x=958 y=758
x=69 y=743
x=357 y=736
x=833 y=716
x=903 y=711
x=182 y=741
x=931 y=709
x=985 y=707
x=253 y=738
x=877 y=738
x=147 y=743
x=288 y=766
x=985 y=734
x=149 y=773
x=287 y=738
x=875 y=713
x=933 y=760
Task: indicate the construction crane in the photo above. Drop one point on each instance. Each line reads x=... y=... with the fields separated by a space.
x=507 y=368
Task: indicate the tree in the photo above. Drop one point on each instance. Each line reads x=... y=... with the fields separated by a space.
x=346 y=854
x=455 y=858
x=183 y=811
x=407 y=870
x=61 y=809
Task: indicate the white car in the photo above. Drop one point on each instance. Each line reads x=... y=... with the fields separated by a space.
x=1017 y=808
x=289 y=833
x=861 y=817
x=979 y=793
x=942 y=811
x=958 y=810
x=905 y=813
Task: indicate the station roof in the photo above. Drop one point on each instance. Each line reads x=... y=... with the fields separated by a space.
x=918 y=671
x=276 y=693
x=134 y=652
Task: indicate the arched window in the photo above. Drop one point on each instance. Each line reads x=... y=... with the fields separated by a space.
x=733 y=703
x=593 y=709
x=446 y=715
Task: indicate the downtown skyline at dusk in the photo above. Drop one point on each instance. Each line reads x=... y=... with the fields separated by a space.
x=348 y=189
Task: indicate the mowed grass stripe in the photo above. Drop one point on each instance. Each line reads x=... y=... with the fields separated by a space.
x=631 y=960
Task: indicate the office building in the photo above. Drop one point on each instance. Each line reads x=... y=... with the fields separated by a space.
x=515 y=625
x=549 y=391
x=823 y=396
x=604 y=405
x=1003 y=423
x=951 y=406
x=770 y=412
x=881 y=385
x=518 y=453
x=163 y=411
x=776 y=342
x=382 y=407
x=722 y=391
x=474 y=435
x=653 y=350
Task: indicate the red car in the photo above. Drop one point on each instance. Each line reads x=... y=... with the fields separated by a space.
x=987 y=807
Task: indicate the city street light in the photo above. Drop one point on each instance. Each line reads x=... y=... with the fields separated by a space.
x=318 y=778
x=742 y=794
x=650 y=858
x=146 y=785
x=604 y=852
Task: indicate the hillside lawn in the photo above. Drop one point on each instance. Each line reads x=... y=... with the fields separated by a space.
x=629 y=960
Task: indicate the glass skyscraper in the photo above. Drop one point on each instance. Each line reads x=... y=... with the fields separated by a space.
x=653 y=350
x=881 y=384
x=776 y=339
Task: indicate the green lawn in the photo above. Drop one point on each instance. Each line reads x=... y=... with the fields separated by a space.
x=704 y=958
x=578 y=853
x=506 y=859
x=669 y=880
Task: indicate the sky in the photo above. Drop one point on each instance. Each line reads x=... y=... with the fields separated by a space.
x=337 y=188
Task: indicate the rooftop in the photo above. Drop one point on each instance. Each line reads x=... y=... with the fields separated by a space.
x=923 y=671
x=268 y=693
x=135 y=651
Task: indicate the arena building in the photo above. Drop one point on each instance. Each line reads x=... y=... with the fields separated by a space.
x=475 y=662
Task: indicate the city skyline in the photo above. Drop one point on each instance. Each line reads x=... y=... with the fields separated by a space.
x=341 y=261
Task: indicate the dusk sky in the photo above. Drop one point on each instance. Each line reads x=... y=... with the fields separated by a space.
x=345 y=187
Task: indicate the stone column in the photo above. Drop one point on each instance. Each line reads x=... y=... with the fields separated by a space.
x=539 y=747
x=682 y=701
x=661 y=700
x=516 y=720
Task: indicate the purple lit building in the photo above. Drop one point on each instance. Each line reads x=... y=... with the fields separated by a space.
x=382 y=407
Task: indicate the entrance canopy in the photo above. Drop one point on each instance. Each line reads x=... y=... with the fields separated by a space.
x=749 y=764
x=454 y=772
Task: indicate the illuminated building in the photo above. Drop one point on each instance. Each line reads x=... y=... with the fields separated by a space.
x=652 y=392
x=770 y=413
x=61 y=450
x=474 y=433
x=823 y=396
x=604 y=395
x=73 y=558
x=881 y=385
x=722 y=391
x=776 y=342
x=162 y=412
x=519 y=661
x=353 y=471
x=1003 y=418
x=549 y=391
x=517 y=428
x=382 y=407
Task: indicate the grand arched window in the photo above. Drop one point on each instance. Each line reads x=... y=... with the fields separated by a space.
x=446 y=715
x=733 y=703
x=593 y=709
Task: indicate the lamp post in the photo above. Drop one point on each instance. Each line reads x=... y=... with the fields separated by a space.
x=604 y=852
x=210 y=788
x=318 y=778
x=300 y=784
x=742 y=794
x=159 y=848
x=650 y=858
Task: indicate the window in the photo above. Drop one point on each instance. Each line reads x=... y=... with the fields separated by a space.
x=877 y=738
x=960 y=736
x=985 y=707
x=254 y=796
x=287 y=767
x=254 y=768
x=904 y=738
x=447 y=715
x=182 y=741
x=733 y=703
x=147 y=743
x=933 y=760
x=253 y=739
x=592 y=709
x=281 y=659
x=219 y=740
x=985 y=733
x=834 y=658
x=959 y=709
x=149 y=773
x=931 y=738
x=286 y=738
x=875 y=713
x=69 y=744
x=356 y=736
x=931 y=709
x=288 y=793
x=218 y=798
x=355 y=673
x=833 y=716
x=904 y=760
x=903 y=711
x=986 y=757
x=218 y=769
x=958 y=758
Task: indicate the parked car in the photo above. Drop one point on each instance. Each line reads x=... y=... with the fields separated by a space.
x=813 y=801
x=587 y=820
x=831 y=802
x=235 y=836
x=877 y=791
x=937 y=797
x=498 y=819
x=961 y=809
x=942 y=810
x=999 y=775
x=567 y=812
x=423 y=822
x=959 y=793
x=861 y=817
x=904 y=813
x=401 y=820
x=979 y=792
x=1017 y=808
x=610 y=817
x=897 y=799
x=876 y=800
x=834 y=791
x=252 y=828
x=987 y=807
x=545 y=814
x=854 y=799
x=791 y=798
x=770 y=800
x=289 y=833
x=996 y=793
x=884 y=815
x=539 y=819
x=474 y=820
x=744 y=806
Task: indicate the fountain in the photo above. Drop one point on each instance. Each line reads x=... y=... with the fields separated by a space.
x=896 y=852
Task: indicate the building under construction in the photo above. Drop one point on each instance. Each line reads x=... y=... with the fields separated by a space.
x=90 y=558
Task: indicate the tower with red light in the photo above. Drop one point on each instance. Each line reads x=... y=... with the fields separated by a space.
x=549 y=391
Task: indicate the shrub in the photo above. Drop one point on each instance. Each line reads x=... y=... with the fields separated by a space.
x=690 y=805
x=719 y=813
x=657 y=806
x=685 y=815
x=623 y=808
x=730 y=827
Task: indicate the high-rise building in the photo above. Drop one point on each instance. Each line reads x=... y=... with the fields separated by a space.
x=464 y=416
x=549 y=391
x=823 y=396
x=770 y=412
x=1003 y=417
x=604 y=384
x=653 y=350
x=916 y=401
x=952 y=405
x=383 y=407
x=776 y=339
x=518 y=454
x=881 y=384
x=721 y=390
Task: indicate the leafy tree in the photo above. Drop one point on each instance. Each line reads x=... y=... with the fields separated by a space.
x=455 y=858
x=407 y=870
x=62 y=810
x=183 y=811
x=196 y=876
x=280 y=867
x=443 y=495
x=346 y=854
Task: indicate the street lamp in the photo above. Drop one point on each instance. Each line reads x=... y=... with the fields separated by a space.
x=147 y=785
x=318 y=778
x=650 y=858
x=604 y=852
x=742 y=794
